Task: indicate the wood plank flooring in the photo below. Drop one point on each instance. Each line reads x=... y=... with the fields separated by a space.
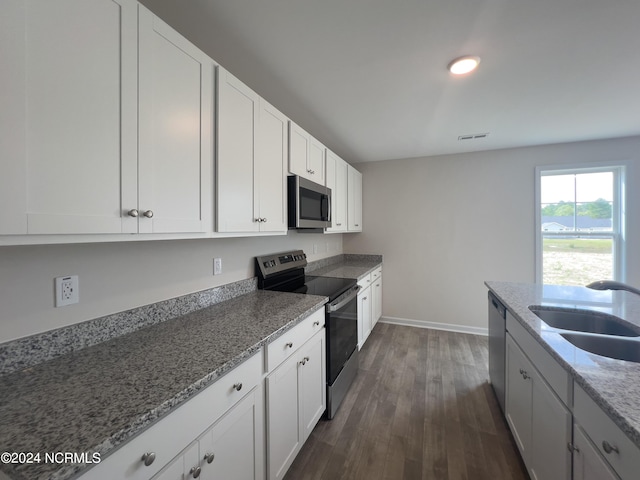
x=421 y=408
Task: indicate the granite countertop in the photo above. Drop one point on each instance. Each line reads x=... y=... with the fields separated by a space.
x=97 y=398
x=353 y=266
x=613 y=384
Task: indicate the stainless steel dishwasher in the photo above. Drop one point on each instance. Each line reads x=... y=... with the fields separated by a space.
x=497 y=334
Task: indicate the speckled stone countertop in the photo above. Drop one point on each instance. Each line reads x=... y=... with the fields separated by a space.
x=348 y=266
x=96 y=398
x=613 y=384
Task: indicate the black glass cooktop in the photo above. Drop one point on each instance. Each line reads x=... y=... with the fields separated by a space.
x=331 y=287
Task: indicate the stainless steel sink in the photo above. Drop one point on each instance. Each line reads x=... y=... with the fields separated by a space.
x=585 y=321
x=612 y=347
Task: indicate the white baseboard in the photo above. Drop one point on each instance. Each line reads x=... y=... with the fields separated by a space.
x=408 y=322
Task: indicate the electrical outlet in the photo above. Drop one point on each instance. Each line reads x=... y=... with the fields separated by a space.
x=67 y=291
x=217 y=266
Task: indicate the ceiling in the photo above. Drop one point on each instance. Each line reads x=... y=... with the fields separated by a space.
x=368 y=78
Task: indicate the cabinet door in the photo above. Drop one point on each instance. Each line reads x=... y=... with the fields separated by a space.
x=313 y=383
x=299 y=144
x=316 y=161
x=518 y=407
x=376 y=295
x=364 y=315
x=587 y=462
x=354 y=193
x=175 y=132
x=336 y=180
x=550 y=433
x=271 y=164
x=237 y=110
x=283 y=417
x=233 y=447
x=69 y=115
x=183 y=466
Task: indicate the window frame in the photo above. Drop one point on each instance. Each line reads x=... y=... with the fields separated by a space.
x=618 y=215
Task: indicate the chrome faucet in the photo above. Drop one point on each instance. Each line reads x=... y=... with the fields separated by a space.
x=612 y=285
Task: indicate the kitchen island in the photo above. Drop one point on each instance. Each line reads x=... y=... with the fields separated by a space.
x=611 y=385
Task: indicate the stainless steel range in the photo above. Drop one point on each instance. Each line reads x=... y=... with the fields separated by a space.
x=284 y=272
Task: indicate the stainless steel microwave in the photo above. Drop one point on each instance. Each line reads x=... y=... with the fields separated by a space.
x=309 y=204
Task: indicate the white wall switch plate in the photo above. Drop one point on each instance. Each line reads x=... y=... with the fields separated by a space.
x=67 y=290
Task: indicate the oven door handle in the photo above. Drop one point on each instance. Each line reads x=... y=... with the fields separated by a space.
x=332 y=307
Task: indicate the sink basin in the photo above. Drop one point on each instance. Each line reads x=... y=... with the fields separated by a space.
x=612 y=347
x=585 y=321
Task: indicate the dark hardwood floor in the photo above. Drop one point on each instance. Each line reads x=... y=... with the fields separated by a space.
x=421 y=408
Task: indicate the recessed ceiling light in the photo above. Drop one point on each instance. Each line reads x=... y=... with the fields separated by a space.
x=462 y=65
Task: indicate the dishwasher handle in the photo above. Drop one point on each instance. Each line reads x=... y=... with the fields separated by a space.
x=502 y=310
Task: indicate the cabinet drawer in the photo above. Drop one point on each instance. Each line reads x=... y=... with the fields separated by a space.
x=169 y=436
x=556 y=376
x=605 y=434
x=282 y=347
x=365 y=281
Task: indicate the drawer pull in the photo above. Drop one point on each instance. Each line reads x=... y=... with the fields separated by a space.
x=289 y=344
x=524 y=374
x=316 y=323
x=209 y=457
x=608 y=448
x=148 y=458
x=304 y=361
x=195 y=472
x=237 y=386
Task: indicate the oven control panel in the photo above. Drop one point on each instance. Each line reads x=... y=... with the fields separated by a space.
x=267 y=265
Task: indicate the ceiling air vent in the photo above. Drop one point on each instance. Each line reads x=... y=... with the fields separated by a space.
x=473 y=136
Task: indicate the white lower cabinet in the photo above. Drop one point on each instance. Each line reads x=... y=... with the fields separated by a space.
x=376 y=296
x=587 y=462
x=539 y=420
x=230 y=449
x=369 y=304
x=296 y=399
x=611 y=450
x=224 y=423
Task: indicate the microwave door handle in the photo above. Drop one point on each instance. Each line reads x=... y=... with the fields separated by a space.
x=326 y=207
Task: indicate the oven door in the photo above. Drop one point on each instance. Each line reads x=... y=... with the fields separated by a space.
x=342 y=331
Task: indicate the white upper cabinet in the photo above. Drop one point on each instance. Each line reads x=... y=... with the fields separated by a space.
x=175 y=131
x=306 y=155
x=252 y=153
x=68 y=116
x=336 y=176
x=108 y=121
x=354 y=193
x=271 y=169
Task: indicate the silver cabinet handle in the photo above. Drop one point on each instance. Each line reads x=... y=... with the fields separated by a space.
x=304 y=361
x=338 y=224
x=133 y=212
x=237 y=386
x=209 y=457
x=364 y=298
x=195 y=472
x=148 y=213
x=258 y=220
x=289 y=344
x=524 y=374
x=608 y=448
x=148 y=458
x=572 y=448
x=316 y=323
x=264 y=220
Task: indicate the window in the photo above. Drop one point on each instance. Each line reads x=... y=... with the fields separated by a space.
x=580 y=225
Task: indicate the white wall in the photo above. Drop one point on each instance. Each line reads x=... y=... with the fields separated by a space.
x=446 y=224
x=118 y=276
